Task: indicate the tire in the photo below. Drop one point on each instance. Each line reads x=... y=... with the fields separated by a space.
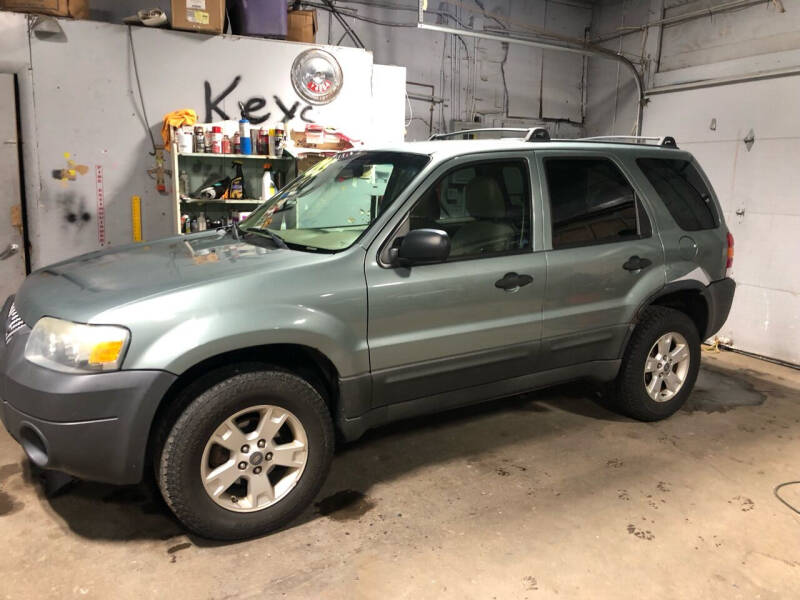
x=633 y=387
x=239 y=401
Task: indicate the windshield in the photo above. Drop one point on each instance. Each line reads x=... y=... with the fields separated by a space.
x=333 y=203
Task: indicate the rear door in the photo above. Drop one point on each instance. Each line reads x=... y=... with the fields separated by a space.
x=449 y=326
x=603 y=258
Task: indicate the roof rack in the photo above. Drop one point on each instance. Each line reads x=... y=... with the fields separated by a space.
x=665 y=141
x=532 y=134
x=540 y=134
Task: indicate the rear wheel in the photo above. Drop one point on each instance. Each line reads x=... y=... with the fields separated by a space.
x=660 y=365
x=247 y=455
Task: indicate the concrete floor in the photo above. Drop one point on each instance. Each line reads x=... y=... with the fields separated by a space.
x=537 y=496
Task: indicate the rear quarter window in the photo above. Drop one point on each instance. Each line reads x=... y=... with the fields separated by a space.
x=683 y=192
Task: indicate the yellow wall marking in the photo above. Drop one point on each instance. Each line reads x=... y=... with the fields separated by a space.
x=136 y=218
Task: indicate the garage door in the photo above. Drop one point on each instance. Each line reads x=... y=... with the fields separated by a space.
x=759 y=187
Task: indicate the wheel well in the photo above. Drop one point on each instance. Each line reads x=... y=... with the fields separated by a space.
x=304 y=361
x=690 y=302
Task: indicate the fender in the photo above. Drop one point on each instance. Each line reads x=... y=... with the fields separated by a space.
x=692 y=285
x=285 y=324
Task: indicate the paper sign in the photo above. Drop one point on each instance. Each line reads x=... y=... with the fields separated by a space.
x=197 y=16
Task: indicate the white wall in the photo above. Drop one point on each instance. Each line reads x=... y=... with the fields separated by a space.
x=543 y=87
x=79 y=97
x=761 y=183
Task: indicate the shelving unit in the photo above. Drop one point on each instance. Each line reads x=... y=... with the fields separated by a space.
x=204 y=168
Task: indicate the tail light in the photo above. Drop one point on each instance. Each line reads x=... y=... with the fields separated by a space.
x=729 y=261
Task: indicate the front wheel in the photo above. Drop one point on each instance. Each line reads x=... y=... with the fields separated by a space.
x=247 y=455
x=659 y=367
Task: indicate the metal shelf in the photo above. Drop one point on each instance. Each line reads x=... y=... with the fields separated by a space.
x=220 y=201
x=233 y=156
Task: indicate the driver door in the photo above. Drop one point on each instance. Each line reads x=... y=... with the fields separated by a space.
x=442 y=327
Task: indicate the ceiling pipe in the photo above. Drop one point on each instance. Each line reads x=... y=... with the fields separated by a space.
x=689 y=16
x=585 y=51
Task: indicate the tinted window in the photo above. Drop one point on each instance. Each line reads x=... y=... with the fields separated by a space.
x=683 y=191
x=485 y=209
x=591 y=202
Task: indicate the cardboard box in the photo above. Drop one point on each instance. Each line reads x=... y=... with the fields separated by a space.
x=302 y=26
x=207 y=16
x=77 y=9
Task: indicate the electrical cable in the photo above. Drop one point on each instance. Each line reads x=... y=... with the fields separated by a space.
x=373 y=21
x=777 y=495
x=146 y=121
x=353 y=35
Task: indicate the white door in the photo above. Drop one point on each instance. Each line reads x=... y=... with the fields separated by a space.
x=12 y=258
x=757 y=184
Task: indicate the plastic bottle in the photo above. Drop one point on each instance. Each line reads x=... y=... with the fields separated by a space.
x=185 y=140
x=184 y=183
x=202 y=224
x=267 y=187
x=237 y=189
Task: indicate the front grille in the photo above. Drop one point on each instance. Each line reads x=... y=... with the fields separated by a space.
x=13 y=324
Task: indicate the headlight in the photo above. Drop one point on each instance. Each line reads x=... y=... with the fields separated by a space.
x=76 y=348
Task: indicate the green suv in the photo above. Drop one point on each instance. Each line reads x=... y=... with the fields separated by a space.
x=379 y=285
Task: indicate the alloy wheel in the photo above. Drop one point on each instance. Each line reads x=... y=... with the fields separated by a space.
x=254 y=458
x=666 y=366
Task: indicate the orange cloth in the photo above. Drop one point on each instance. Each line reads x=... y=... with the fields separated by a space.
x=177 y=118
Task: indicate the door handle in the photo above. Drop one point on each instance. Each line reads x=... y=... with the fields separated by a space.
x=9 y=251
x=634 y=263
x=512 y=281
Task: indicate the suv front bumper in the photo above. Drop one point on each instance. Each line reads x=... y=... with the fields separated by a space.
x=93 y=426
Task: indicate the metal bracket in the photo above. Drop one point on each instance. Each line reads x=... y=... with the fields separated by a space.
x=749 y=140
x=10 y=250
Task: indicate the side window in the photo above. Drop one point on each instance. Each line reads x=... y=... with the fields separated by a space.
x=683 y=191
x=591 y=202
x=485 y=208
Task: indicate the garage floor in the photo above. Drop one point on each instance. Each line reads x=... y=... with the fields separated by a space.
x=531 y=497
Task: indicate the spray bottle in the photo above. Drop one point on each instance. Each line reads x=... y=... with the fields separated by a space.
x=237 y=188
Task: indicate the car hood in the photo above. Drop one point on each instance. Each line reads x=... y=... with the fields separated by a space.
x=85 y=286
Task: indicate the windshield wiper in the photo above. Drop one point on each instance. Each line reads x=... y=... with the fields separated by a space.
x=234 y=227
x=270 y=234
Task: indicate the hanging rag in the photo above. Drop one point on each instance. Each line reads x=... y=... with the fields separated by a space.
x=177 y=118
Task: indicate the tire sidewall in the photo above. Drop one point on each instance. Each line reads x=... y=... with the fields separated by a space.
x=194 y=428
x=633 y=376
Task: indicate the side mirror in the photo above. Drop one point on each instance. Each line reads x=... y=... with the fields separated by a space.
x=420 y=247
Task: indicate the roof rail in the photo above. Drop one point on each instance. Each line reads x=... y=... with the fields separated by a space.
x=532 y=134
x=665 y=141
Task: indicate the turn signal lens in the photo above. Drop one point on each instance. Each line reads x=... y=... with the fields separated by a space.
x=105 y=352
x=729 y=262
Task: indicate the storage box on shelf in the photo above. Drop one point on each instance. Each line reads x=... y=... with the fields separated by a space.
x=207 y=16
x=302 y=26
x=196 y=172
x=77 y=9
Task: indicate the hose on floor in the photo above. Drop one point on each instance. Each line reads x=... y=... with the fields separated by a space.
x=778 y=496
